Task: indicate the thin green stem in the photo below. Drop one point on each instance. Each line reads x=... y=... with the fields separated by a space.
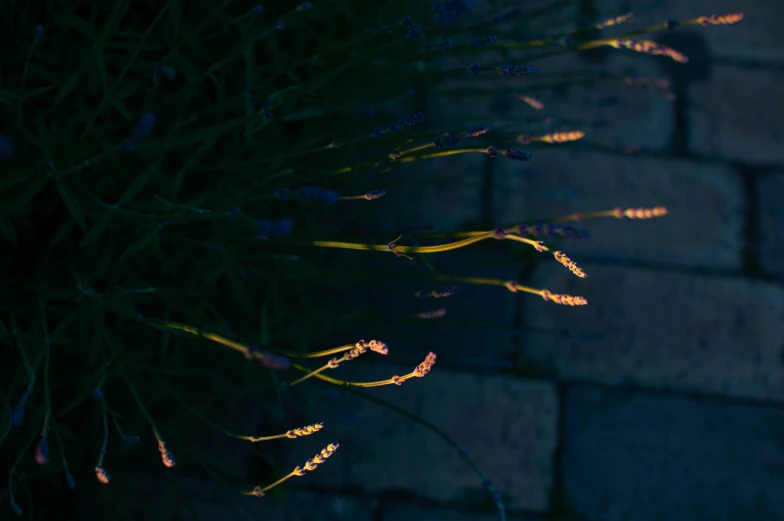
x=141 y=406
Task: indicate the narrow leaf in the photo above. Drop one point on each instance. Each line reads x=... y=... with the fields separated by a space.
x=7 y=227
x=63 y=231
x=71 y=203
x=67 y=88
x=140 y=182
x=96 y=230
x=139 y=245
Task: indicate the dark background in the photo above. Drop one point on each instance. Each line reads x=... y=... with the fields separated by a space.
x=661 y=399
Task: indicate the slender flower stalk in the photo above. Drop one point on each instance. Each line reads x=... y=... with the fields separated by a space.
x=358 y=349
x=18 y=412
x=310 y=465
x=369 y=196
x=420 y=371
x=100 y=471
x=291 y=434
x=618 y=213
x=514 y=287
x=166 y=456
x=42 y=449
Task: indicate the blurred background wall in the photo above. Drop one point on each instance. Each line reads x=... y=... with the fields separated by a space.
x=662 y=399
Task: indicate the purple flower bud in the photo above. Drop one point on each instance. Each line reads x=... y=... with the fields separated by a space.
x=17 y=415
x=42 y=453
x=6 y=147
x=509 y=15
x=516 y=70
x=167 y=71
x=39 y=31
x=375 y=194
x=484 y=42
x=316 y=194
x=492 y=151
x=407 y=22
x=126 y=145
x=517 y=154
x=415 y=33
x=69 y=480
x=275 y=229
x=129 y=439
x=143 y=127
x=474 y=69
x=450 y=11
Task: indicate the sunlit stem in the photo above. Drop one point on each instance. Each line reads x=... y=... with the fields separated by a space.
x=260 y=491
x=335 y=381
x=143 y=409
x=404 y=249
x=252 y=439
x=242 y=348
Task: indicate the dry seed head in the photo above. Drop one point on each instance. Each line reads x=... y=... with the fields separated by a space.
x=564 y=300
x=724 y=19
x=569 y=263
x=304 y=431
x=640 y=213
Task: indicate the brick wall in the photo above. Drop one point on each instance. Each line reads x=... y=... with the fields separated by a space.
x=662 y=399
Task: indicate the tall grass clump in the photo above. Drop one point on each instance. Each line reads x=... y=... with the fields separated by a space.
x=174 y=183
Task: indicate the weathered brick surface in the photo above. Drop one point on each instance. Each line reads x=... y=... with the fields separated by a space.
x=295 y=505
x=703 y=228
x=408 y=512
x=507 y=426
x=757 y=37
x=649 y=458
x=609 y=112
x=443 y=194
x=661 y=330
x=770 y=223
x=478 y=329
x=739 y=115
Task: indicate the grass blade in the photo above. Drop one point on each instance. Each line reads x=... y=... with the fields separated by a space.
x=71 y=203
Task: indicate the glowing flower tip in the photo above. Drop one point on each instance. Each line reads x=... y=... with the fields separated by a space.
x=102 y=475
x=640 y=213
x=318 y=459
x=569 y=263
x=304 y=431
x=425 y=367
x=564 y=300
x=725 y=19
x=166 y=456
